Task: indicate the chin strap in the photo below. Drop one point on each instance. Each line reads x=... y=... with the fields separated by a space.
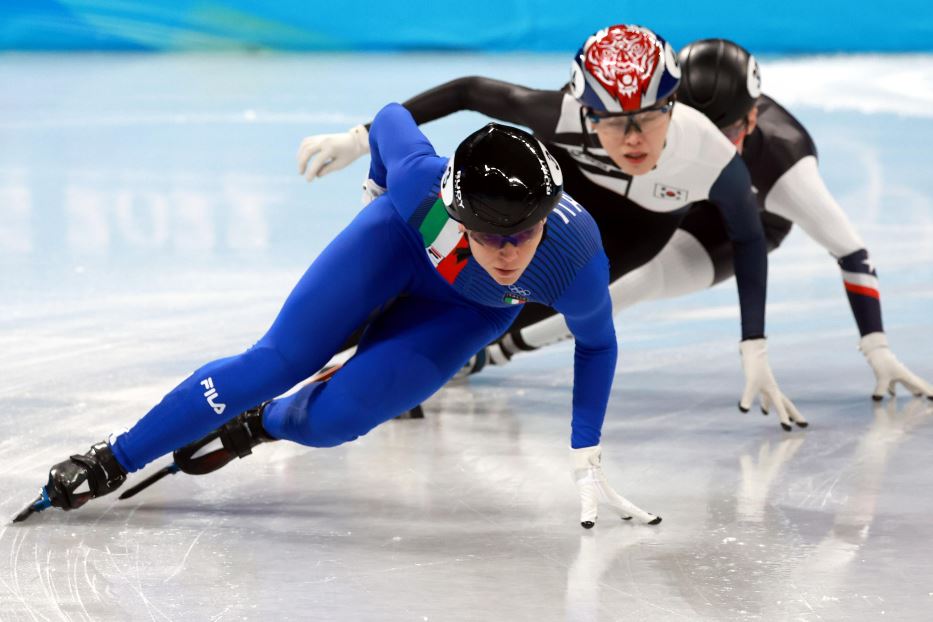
x=586 y=133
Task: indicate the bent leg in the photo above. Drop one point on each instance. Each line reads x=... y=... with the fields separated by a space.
x=337 y=293
x=698 y=256
x=405 y=356
x=684 y=266
x=705 y=224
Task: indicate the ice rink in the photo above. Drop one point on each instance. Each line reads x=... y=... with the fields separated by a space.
x=151 y=219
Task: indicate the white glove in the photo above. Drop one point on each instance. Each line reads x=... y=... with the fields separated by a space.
x=593 y=488
x=888 y=370
x=760 y=381
x=331 y=152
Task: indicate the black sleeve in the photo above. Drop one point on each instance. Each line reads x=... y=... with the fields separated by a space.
x=512 y=103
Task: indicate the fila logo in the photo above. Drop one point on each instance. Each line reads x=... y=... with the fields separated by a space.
x=211 y=395
x=663 y=191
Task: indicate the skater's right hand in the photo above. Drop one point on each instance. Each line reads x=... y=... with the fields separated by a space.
x=759 y=381
x=888 y=370
x=594 y=487
x=331 y=152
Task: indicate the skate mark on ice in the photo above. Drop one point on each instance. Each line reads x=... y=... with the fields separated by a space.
x=184 y=559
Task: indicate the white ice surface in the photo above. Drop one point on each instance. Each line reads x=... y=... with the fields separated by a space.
x=151 y=219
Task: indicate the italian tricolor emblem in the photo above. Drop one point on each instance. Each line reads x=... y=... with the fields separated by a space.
x=442 y=238
x=512 y=299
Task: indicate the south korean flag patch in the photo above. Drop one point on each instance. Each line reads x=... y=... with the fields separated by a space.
x=669 y=193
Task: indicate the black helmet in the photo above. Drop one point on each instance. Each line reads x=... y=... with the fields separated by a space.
x=501 y=180
x=720 y=79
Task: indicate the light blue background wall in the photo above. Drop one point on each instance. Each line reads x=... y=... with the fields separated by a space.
x=786 y=26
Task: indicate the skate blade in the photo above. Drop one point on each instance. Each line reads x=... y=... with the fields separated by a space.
x=42 y=502
x=149 y=481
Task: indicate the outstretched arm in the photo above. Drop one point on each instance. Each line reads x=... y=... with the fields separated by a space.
x=732 y=194
x=512 y=103
x=588 y=310
x=801 y=196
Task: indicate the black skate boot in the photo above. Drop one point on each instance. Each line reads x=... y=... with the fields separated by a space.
x=237 y=438
x=234 y=439
x=79 y=479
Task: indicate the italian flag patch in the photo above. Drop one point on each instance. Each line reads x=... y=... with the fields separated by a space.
x=442 y=237
x=514 y=299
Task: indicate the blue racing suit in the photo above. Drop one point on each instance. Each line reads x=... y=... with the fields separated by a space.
x=403 y=259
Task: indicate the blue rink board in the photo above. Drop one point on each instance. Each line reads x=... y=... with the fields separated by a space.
x=489 y=25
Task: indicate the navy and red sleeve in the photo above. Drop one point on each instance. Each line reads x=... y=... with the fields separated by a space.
x=861 y=283
x=732 y=194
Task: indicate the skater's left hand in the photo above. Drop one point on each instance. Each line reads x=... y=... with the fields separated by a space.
x=331 y=152
x=593 y=488
x=759 y=381
x=888 y=370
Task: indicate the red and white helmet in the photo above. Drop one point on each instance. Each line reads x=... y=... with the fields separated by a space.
x=624 y=68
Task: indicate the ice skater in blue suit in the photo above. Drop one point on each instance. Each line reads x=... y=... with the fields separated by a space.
x=443 y=259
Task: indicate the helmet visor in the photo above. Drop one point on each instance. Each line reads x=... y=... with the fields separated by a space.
x=495 y=240
x=641 y=121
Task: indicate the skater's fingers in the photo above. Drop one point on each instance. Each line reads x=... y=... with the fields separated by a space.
x=914 y=384
x=318 y=167
x=309 y=147
x=880 y=387
x=748 y=395
x=589 y=501
x=778 y=401
x=624 y=507
x=794 y=414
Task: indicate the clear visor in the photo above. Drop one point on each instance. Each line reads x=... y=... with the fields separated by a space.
x=641 y=121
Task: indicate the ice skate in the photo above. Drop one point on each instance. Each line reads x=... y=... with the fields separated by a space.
x=79 y=479
x=234 y=439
